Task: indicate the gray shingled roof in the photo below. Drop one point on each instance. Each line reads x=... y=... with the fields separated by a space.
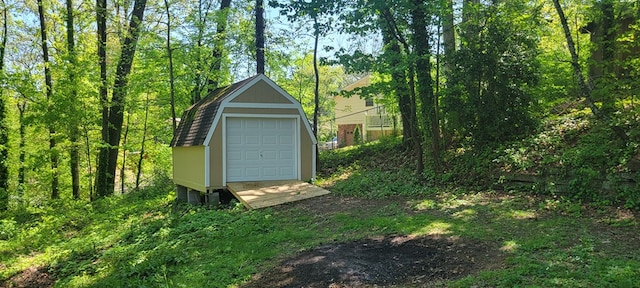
x=197 y=120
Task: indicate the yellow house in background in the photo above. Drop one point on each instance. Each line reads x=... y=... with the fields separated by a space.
x=362 y=113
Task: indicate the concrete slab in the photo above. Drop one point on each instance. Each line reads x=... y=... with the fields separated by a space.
x=260 y=194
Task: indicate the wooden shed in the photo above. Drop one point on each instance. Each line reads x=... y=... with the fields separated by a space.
x=251 y=130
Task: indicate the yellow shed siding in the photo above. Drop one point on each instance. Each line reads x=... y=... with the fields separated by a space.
x=215 y=157
x=188 y=167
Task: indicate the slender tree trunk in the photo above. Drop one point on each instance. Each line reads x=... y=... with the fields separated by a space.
x=172 y=89
x=144 y=139
x=416 y=135
x=425 y=82
x=586 y=86
x=393 y=53
x=21 y=147
x=4 y=131
x=49 y=94
x=109 y=154
x=260 y=36
x=74 y=155
x=449 y=45
x=218 y=46
x=124 y=153
x=316 y=90
x=200 y=80
x=87 y=144
x=103 y=155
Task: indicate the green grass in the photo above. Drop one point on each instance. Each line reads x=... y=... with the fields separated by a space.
x=144 y=239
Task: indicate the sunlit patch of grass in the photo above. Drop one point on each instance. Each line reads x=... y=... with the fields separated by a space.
x=421 y=205
x=466 y=214
x=521 y=214
x=434 y=228
x=509 y=246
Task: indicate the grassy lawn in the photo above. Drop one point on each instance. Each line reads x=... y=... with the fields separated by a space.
x=144 y=239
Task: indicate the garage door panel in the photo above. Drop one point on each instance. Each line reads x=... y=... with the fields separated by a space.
x=252 y=140
x=270 y=124
x=252 y=156
x=270 y=155
x=234 y=140
x=266 y=147
x=252 y=123
x=269 y=140
x=285 y=140
x=234 y=155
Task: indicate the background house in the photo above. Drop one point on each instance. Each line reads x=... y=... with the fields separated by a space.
x=364 y=113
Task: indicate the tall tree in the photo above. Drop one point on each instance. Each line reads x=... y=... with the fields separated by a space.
x=219 y=40
x=260 y=36
x=315 y=10
x=101 y=21
x=172 y=86
x=587 y=86
x=48 y=86
x=74 y=131
x=403 y=81
x=488 y=97
x=428 y=100
x=4 y=132
x=107 y=160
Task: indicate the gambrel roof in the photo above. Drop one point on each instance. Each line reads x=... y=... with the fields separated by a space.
x=197 y=120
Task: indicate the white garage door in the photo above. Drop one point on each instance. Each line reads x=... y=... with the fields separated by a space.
x=261 y=149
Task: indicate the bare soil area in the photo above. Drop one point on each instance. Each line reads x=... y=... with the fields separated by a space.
x=384 y=261
x=32 y=277
x=392 y=261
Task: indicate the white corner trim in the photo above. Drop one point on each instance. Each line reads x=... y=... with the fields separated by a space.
x=207 y=166
x=224 y=150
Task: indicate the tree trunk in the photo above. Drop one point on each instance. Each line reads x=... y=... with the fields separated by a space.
x=124 y=153
x=218 y=46
x=144 y=139
x=87 y=144
x=410 y=103
x=393 y=53
x=49 y=95
x=103 y=156
x=425 y=82
x=21 y=169
x=172 y=89
x=316 y=90
x=74 y=156
x=109 y=153
x=449 y=43
x=586 y=87
x=199 y=78
x=4 y=132
x=260 y=36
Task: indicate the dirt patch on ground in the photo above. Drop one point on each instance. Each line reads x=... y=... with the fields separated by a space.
x=32 y=277
x=391 y=261
x=383 y=261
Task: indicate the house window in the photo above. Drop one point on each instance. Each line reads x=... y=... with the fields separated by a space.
x=368 y=102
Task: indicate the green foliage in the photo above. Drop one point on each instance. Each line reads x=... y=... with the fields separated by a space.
x=489 y=95
x=357 y=136
x=8 y=229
